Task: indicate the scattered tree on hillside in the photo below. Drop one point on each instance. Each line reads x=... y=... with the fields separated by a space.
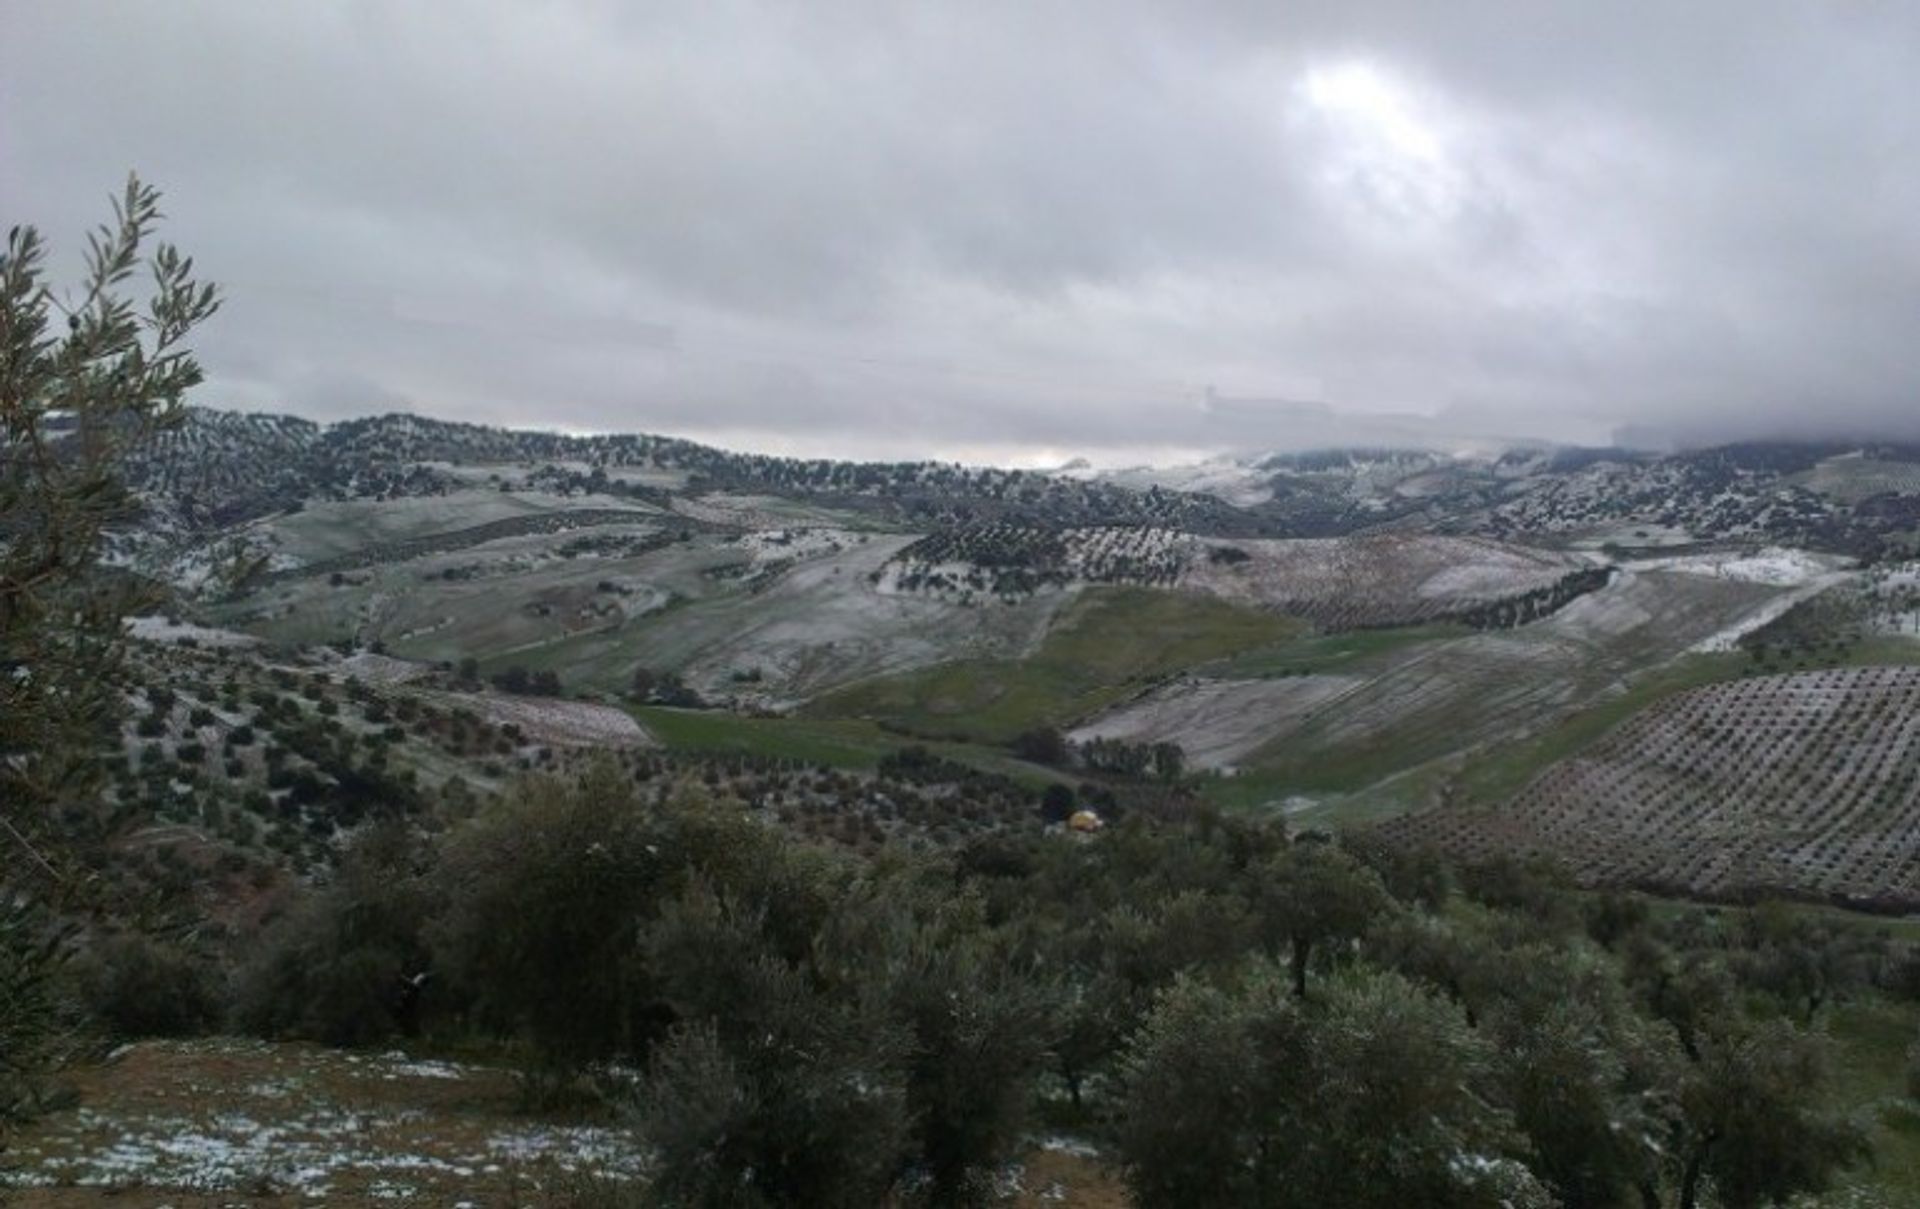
x=1313 y=899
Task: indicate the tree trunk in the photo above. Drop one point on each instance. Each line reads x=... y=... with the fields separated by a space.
x=1690 y=1177
x=1301 y=948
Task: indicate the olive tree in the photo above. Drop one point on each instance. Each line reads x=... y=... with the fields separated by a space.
x=82 y=380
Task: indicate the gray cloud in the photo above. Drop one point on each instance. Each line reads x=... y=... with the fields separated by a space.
x=1005 y=230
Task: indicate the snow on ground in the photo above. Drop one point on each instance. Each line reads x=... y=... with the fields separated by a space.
x=205 y=566
x=243 y=1118
x=776 y=545
x=1217 y=722
x=751 y=511
x=552 y=720
x=227 y=1121
x=1776 y=565
x=1729 y=638
x=380 y=669
x=1235 y=480
x=159 y=629
x=825 y=622
x=1633 y=533
x=1804 y=573
x=1399 y=577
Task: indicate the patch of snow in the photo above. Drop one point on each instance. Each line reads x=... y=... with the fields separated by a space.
x=1729 y=638
x=1775 y=565
x=553 y=720
x=154 y=628
x=777 y=545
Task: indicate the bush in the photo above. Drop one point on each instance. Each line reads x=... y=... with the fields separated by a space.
x=347 y=965
x=782 y=1084
x=1249 y=1097
x=137 y=986
x=550 y=889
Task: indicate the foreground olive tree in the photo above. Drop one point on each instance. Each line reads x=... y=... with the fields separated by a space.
x=82 y=378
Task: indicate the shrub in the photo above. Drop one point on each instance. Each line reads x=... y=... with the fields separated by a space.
x=550 y=888
x=137 y=986
x=346 y=965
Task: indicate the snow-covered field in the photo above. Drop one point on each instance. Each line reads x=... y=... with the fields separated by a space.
x=330 y=528
x=1775 y=565
x=775 y=545
x=1233 y=479
x=553 y=720
x=1801 y=573
x=1374 y=580
x=1216 y=722
x=230 y=1122
x=380 y=669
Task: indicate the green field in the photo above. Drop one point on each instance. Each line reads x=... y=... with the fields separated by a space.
x=833 y=743
x=1107 y=644
x=1328 y=654
x=1359 y=794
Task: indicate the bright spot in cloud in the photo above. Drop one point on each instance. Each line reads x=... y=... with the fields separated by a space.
x=1374 y=105
x=1385 y=143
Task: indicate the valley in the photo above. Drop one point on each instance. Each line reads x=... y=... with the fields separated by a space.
x=1431 y=659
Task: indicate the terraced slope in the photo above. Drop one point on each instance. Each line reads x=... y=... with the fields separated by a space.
x=1306 y=723
x=1806 y=783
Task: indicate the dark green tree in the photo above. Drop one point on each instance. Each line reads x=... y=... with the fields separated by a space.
x=781 y=1084
x=1373 y=1093
x=1314 y=898
x=1753 y=1118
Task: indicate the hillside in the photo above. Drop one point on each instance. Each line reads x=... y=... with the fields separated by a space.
x=1465 y=602
x=1805 y=783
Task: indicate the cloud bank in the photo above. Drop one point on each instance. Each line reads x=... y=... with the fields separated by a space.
x=1016 y=231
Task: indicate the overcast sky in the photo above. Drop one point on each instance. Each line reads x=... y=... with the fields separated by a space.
x=1015 y=231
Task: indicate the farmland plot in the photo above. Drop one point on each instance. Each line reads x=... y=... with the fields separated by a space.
x=1390 y=579
x=1440 y=698
x=333 y=528
x=1806 y=783
x=548 y=720
x=1216 y=722
x=797 y=629
x=1339 y=583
